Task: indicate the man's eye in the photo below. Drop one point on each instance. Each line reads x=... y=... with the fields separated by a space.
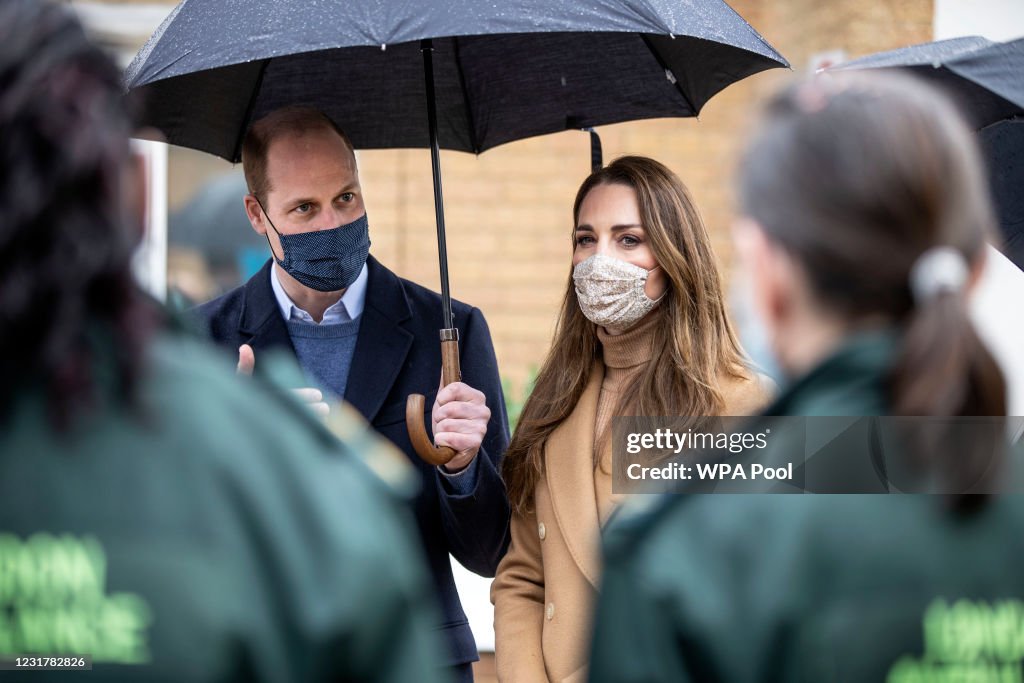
x=304 y=208
x=348 y=196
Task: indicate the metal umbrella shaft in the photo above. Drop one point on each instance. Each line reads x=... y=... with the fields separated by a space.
x=427 y=47
x=450 y=370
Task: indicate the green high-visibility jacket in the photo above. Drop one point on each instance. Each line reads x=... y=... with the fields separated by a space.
x=762 y=587
x=218 y=533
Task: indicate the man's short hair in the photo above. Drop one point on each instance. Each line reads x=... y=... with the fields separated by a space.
x=285 y=121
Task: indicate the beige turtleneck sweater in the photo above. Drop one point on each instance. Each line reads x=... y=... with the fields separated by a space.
x=625 y=355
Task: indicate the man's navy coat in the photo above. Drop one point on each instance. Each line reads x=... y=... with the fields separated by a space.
x=398 y=353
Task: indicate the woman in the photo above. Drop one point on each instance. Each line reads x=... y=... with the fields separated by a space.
x=642 y=331
x=865 y=219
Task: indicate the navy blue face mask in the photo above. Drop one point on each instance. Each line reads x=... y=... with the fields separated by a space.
x=324 y=260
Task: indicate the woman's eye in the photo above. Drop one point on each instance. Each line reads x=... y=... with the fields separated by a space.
x=584 y=239
x=630 y=241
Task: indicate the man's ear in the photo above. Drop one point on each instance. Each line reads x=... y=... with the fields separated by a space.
x=255 y=214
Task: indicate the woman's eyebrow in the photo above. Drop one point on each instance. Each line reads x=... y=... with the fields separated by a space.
x=615 y=228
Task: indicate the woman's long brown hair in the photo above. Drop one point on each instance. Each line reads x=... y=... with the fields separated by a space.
x=694 y=343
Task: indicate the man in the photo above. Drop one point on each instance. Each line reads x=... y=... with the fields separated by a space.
x=159 y=514
x=370 y=337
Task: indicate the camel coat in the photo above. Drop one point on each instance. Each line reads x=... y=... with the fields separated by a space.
x=546 y=585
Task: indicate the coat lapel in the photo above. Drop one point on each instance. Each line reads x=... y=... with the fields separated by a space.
x=569 y=470
x=260 y=324
x=383 y=342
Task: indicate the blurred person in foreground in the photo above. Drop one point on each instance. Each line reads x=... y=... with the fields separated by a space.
x=643 y=331
x=864 y=216
x=157 y=513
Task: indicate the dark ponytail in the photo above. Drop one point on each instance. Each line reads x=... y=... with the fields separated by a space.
x=943 y=368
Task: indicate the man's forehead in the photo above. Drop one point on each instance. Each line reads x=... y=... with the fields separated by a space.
x=317 y=142
x=315 y=157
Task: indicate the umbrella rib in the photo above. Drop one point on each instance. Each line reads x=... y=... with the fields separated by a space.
x=465 y=96
x=1012 y=118
x=236 y=153
x=664 y=66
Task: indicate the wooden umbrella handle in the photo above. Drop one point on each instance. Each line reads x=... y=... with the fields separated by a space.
x=414 y=405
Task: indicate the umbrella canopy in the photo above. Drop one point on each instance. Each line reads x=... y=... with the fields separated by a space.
x=502 y=71
x=1003 y=146
x=984 y=77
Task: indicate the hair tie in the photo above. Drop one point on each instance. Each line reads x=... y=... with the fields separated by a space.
x=937 y=270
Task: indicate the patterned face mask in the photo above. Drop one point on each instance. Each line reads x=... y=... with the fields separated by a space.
x=325 y=260
x=611 y=291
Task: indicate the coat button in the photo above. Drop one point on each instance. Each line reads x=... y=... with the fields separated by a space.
x=550 y=612
x=542 y=531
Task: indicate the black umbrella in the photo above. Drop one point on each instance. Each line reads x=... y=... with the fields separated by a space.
x=984 y=77
x=986 y=80
x=490 y=72
x=1003 y=146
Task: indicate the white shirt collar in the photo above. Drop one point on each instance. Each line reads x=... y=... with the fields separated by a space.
x=348 y=307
